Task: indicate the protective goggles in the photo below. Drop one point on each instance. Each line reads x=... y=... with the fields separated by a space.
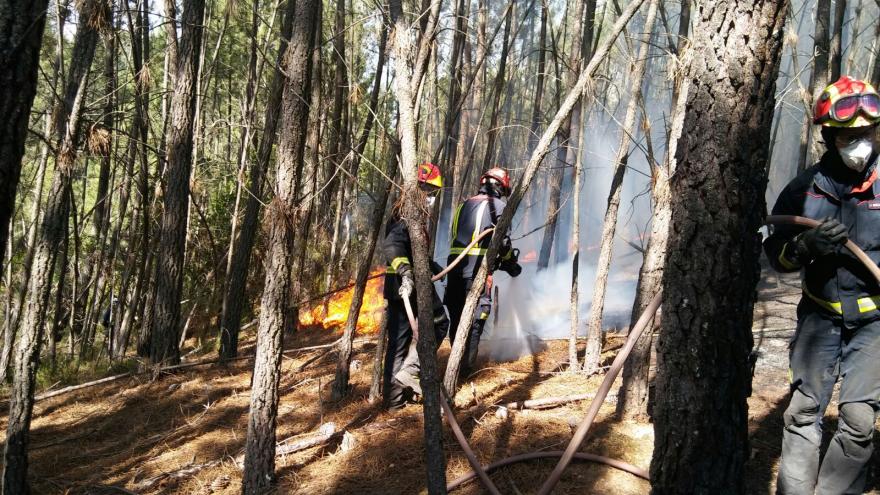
x=846 y=108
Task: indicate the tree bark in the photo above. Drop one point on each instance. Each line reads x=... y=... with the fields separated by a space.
x=21 y=35
x=49 y=240
x=234 y=296
x=416 y=217
x=835 y=50
x=497 y=87
x=164 y=346
x=259 y=462
x=451 y=377
x=818 y=80
x=717 y=185
x=595 y=337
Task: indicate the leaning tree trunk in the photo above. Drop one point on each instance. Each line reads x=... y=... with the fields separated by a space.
x=450 y=379
x=21 y=36
x=234 y=296
x=164 y=347
x=49 y=241
x=593 y=353
x=259 y=460
x=416 y=216
x=717 y=185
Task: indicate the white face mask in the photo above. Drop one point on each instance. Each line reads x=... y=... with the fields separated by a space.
x=430 y=201
x=855 y=155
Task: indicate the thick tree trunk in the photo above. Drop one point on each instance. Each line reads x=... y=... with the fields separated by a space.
x=259 y=461
x=452 y=367
x=717 y=185
x=595 y=336
x=21 y=35
x=164 y=346
x=234 y=297
x=49 y=241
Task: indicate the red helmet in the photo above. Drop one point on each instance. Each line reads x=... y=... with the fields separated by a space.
x=847 y=103
x=499 y=177
x=430 y=174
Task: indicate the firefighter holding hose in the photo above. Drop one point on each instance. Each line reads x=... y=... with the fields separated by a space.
x=477 y=214
x=400 y=379
x=838 y=330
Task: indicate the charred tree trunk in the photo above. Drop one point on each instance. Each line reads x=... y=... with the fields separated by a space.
x=595 y=336
x=234 y=297
x=49 y=240
x=164 y=347
x=21 y=35
x=717 y=185
x=259 y=461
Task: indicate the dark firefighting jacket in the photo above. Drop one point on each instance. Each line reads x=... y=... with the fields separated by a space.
x=397 y=249
x=472 y=217
x=838 y=283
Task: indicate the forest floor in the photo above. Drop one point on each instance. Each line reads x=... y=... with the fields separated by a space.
x=126 y=436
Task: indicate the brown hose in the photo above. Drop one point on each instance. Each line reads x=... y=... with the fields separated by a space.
x=468 y=452
x=623 y=466
x=809 y=222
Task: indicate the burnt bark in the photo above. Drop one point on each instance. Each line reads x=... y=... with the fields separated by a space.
x=259 y=461
x=835 y=48
x=717 y=186
x=164 y=346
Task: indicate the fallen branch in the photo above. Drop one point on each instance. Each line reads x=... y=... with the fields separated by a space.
x=185 y=472
x=549 y=402
x=176 y=367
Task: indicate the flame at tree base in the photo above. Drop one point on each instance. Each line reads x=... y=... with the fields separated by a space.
x=332 y=313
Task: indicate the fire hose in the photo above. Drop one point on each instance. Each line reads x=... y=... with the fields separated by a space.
x=571 y=450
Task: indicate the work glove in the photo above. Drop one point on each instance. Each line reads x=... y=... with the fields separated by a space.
x=822 y=240
x=511 y=263
x=406 y=282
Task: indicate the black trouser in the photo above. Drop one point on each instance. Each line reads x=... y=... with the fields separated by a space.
x=457 y=289
x=401 y=350
x=822 y=352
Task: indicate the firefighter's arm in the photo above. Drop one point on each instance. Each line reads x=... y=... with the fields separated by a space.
x=783 y=247
x=395 y=248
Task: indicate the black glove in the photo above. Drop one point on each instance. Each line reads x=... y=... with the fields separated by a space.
x=511 y=264
x=820 y=241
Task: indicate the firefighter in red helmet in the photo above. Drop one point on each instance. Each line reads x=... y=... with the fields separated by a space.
x=838 y=330
x=472 y=217
x=400 y=353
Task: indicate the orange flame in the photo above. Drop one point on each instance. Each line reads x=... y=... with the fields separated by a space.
x=332 y=313
x=529 y=257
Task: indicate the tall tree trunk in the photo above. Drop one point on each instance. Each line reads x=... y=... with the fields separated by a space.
x=818 y=81
x=835 y=50
x=21 y=36
x=406 y=78
x=717 y=185
x=49 y=240
x=234 y=296
x=595 y=336
x=164 y=346
x=497 y=87
x=874 y=67
x=259 y=461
